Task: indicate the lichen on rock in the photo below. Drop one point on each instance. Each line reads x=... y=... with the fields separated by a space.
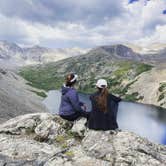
x=42 y=139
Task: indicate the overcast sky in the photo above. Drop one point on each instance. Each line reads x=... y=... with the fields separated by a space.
x=82 y=23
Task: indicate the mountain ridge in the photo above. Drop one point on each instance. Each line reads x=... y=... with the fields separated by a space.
x=116 y=51
x=21 y=56
x=13 y=55
x=118 y=64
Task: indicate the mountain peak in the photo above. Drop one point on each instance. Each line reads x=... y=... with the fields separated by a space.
x=6 y=44
x=115 y=51
x=13 y=55
x=117 y=46
x=38 y=47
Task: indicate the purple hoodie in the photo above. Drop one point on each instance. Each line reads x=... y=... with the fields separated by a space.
x=69 y=101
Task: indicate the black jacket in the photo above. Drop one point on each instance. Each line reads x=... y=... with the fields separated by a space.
x=99 y=120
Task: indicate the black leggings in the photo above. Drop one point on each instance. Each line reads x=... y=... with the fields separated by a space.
x=75 y=116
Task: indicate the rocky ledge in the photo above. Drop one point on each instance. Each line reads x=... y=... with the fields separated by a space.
x=42 y=139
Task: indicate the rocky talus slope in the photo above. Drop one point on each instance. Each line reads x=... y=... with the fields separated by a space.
x=151 y=85
x=16 y=97
x=42 y=139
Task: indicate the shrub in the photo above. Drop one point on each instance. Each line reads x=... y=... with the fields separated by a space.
x=162 y=87
x=42 y=94
x=161 y=97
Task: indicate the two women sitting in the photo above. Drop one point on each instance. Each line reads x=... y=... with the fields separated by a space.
x=103 y=115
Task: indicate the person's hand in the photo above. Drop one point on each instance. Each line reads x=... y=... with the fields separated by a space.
x=84 y=107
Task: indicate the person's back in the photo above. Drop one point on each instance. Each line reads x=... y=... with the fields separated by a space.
x=104 y=109
x=71 y=108
x=66 y=108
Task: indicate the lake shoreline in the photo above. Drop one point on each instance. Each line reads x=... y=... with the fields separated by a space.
x=148 y=121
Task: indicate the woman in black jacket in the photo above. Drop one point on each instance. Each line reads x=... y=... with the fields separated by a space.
x=104 y=108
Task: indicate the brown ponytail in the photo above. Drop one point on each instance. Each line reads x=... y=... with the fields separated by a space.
x=102 y=99
x=68 y=82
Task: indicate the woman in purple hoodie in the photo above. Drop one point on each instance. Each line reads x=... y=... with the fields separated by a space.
x=71 y=108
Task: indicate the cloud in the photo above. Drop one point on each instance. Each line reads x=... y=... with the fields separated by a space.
x=53 y=11
x=159 y=36
x=149 y=18
x=69 y=23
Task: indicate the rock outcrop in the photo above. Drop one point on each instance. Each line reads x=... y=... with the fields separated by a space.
x=17 y=98
x=42 y=139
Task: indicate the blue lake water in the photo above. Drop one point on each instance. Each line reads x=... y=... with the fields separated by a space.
x=145 y=120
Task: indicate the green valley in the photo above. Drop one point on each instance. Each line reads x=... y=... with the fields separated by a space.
x=120 y=73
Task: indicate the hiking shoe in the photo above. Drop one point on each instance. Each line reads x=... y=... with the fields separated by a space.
x=113 y=132
x=118 y=130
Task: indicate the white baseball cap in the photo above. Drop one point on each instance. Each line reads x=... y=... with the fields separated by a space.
x=75 y=78
x=101 y=82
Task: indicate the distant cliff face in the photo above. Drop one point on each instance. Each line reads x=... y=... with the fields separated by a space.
x=7 y=50
x=12 y=55
x=47 y=140
x=123 y=52
x=116 y=51
x=17 y=98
